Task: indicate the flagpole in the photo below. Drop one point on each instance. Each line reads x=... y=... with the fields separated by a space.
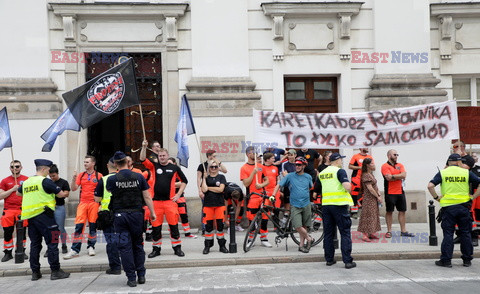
x=141 y=119
x=256 y=166
x=78 y=151
x=200 y=153
x=13 y=158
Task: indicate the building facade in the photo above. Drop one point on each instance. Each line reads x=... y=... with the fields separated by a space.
x=230 y=56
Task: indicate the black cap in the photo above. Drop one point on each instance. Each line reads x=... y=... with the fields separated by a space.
x=43 y=162
x=454 y=157
x=336 y=156
x=119 y=155
x=468 y=160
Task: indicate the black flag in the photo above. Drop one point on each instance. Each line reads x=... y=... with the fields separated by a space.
x=104 y=95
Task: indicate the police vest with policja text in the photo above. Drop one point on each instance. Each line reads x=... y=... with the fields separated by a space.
x=127 y=195
x=454 y=187
x=35 y=198
x=333 y=192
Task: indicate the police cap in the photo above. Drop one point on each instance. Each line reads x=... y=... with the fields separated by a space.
x=119 y=155
x=43 y=162
x=454 y=157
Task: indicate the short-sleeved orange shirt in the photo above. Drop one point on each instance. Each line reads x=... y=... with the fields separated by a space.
x=87 y=183
x=357 y=160
x=271 y=172
x=245 y=172
x=393 y=187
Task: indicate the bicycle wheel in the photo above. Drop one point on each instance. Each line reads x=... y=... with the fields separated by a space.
x=316 y=230
x=251 y=233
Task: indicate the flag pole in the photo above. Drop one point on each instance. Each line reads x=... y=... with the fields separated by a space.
x=13 y=158
x=141 y=119
x=256 y=166
x=78 y=151
x=200 y=152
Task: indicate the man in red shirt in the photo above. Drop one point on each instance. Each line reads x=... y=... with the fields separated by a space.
x=254 y=178
x=12 y=207
x=87 y=209
x=393 y=176
x=356 y=165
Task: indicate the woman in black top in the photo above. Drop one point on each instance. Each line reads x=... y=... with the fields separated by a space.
x=214 y=206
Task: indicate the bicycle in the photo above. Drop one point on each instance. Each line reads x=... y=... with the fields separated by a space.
x=283 y=232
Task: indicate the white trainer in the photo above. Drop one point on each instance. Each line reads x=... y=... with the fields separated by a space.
x=91 y=251
x=266 y=244
x=238 y=228
x=71 y=254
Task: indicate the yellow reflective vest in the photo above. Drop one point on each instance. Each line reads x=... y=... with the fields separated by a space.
x=333 y=192
x=35 y=198
x=106 y=195
x=454 y=187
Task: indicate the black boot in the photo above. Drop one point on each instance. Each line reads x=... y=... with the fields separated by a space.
x=64 y=249
x=155 y=252
x=208 y=244
x=222 y=243
x=60 y=274
x=8 y=255
x=178 y=251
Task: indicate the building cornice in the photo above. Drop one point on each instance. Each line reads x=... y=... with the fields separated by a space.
x=458 y=9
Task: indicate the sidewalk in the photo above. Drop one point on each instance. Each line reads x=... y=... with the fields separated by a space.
x=384 y=249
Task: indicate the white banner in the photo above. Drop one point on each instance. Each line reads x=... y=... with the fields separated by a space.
x=399 y=126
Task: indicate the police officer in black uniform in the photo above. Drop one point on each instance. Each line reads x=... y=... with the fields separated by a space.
x=38 y=206
x=456 y=203
x=129 y=194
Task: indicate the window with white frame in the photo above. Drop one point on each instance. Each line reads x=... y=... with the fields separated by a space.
x=466 y=90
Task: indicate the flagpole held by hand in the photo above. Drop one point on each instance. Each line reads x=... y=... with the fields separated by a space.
x=256 y=166
x=13 y=158
x=141 y=119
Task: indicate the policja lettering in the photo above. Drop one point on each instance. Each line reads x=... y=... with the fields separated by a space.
x=325 y=176
x=128 y=184
x=30 y=189
x=456 y=179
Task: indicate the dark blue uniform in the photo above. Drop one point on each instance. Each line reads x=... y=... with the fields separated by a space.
x=44 y=225
x=127 y=206
x=110 y=237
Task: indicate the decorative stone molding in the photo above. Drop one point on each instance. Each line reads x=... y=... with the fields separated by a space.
x=279 y=11
x=30 y=98
x=278 y=27
x=156 y=13
x=403 y=90
x=218 y=96
x=171 y=24
x=345 y=25
x=447 y=15
x=311 y=36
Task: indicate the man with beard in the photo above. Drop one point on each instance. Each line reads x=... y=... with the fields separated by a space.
x=393 y=176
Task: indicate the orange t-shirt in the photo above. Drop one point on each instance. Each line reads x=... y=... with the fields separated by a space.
x=246 y=171
x=87 y=183
x=271 y=172
x=393 y=187
x=357 y=160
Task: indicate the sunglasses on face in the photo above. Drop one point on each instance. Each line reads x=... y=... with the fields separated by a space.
x=395 y=154
x=214 y=167
x=15 y=166
x=298 y=164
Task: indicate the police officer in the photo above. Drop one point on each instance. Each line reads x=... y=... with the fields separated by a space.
x=334 y=187
x=456 y=203
x=129 y=193
x=104 y=221
x=38 y=206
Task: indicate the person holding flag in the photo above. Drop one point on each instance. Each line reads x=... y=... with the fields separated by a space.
x=13 y=202
x=64 y=122
x=165 y=198
x=12 y=207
